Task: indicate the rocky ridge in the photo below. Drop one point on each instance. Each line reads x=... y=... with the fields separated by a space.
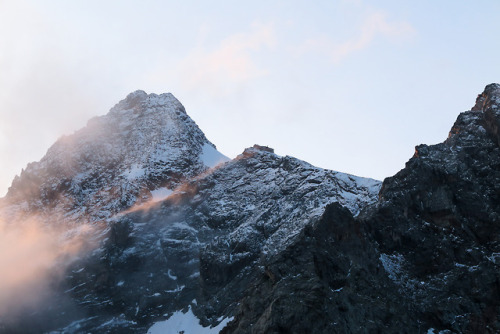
x=279 y=246
x=442 y=215
x=196 y=246
x=423 y=259
x=201 y=247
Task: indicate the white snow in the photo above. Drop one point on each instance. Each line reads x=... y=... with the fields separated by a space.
x=171 y=276
x=186 y=322
x=211 y=157
x=160 y=194
x=177 y=289
x=134 y=172
x=495 y=258
x=116 y=322
x=433 y=331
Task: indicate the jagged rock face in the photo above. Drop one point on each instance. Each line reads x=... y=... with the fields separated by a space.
x=328 y=281
x=205 y=242
x=439 y=219
x=279 y=197
x=145 y=142
x=200 y=246
x=280 y=245
x=424 y=258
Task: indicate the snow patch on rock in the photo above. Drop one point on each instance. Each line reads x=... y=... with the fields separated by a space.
x=186 y=322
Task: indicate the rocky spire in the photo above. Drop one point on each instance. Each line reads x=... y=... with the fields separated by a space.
x=481 y=123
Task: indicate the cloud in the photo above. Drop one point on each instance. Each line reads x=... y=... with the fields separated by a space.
x=375 y=25
x=33 y=256
x=231 y=62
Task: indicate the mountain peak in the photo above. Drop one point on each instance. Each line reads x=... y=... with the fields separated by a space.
x=490 y=97
x=139 y=100
x=145 y=142
x=480 y=124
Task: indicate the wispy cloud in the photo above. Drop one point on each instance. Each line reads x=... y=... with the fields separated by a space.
x=231 y=62
x=376 y=24
x=34 y=255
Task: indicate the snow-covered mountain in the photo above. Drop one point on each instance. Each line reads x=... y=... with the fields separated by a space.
x=184 y=239
x=144 y=147
x=203 y=244
x=175 y=219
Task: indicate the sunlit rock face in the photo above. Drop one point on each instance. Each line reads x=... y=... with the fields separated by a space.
x=264 y=243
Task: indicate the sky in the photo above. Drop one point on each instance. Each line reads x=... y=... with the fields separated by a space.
x=348 y=85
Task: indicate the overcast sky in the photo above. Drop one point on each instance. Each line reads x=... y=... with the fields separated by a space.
x=351 y=86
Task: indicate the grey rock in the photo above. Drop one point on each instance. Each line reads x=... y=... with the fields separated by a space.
x=272 y=242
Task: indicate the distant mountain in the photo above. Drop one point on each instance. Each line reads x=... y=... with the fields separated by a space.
x=184 y=239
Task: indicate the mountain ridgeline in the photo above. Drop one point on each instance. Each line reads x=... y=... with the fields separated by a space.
x=261 y=243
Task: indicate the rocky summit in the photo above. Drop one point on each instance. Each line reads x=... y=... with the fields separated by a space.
x=185 y=240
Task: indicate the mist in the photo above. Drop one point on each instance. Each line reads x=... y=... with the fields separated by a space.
x=34 y=256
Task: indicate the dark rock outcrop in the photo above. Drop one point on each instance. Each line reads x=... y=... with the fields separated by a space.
x=328 y=281
x=424 y=258
x=441 y=217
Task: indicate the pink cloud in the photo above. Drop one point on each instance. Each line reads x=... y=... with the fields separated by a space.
x=375 y=25
x=230 y=62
